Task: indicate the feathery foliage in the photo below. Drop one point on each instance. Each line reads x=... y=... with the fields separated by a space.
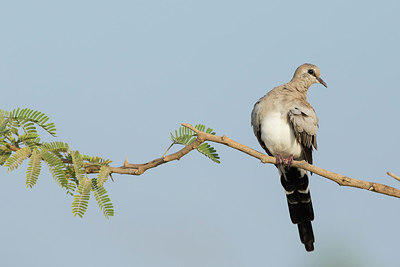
x=34 y=167
x=4 y=155
x=19 y=156
x=103 y=201
x=77 y=163
x=209 y=152
x=185 y=136
x=19 y=141
x=3 y=124
x=56 y=168
x=81 y=198
x=56 y=147
x=96 y=161
x=102 y=177
x=28 y=118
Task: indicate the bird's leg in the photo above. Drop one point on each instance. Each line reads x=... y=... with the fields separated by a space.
x=289 y=161
x=282 y=161
x=279 y=160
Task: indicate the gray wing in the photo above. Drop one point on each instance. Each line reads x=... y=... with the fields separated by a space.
x=304 y=122
x=256 y=123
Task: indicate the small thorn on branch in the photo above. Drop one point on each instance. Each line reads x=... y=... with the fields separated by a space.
x=126 y=162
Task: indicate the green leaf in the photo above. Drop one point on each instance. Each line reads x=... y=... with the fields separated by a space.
x=34 y=167
x=30 y=139
x=4 y=113
x=27 y=118
x=201 y=128
x=103 y=175
x=56 y=147
x=56 y=168
x=28 y=127
x=81 y=198
x=96 y=160
x=4 y=155
x=3 y=124
x=185 y=136
x=17 y=158
x=78 y=164
x=103 y=201
x=209 y=152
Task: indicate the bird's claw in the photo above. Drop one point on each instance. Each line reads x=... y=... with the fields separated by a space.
x=282 y=161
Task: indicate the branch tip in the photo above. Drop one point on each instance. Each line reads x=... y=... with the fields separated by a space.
x=393 y=176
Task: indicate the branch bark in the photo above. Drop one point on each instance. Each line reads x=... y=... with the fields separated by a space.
x=342 y=180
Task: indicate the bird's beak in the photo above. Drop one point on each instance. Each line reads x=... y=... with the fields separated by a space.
x=322 y=82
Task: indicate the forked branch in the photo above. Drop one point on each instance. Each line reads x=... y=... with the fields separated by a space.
x=138 y=169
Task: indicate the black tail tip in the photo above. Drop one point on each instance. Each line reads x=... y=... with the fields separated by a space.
x=306 y=235
x=309 y=247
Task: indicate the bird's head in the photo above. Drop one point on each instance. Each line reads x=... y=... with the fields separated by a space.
x=308 y=74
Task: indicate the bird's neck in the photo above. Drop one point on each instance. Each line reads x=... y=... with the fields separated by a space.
x=300 y=86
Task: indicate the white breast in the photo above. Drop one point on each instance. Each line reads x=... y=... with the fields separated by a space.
x=278 y=136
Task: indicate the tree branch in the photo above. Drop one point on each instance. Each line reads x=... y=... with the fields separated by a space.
x=138 y=169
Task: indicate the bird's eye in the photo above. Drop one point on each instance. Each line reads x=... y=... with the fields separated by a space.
x=311 y=71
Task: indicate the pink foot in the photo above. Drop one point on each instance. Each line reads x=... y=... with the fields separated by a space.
x=282 y=161
x=289 y=161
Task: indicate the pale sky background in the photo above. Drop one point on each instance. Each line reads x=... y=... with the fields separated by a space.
x=117 y=76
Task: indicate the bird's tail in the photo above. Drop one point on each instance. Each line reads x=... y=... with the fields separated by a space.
x=295 y=183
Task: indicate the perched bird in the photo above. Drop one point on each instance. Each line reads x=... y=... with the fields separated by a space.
x=285 y=125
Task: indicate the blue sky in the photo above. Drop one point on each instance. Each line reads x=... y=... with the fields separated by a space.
x=117 y=77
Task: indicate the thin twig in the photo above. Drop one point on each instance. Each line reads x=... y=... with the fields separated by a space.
x=394 y=176
x=173 y=143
